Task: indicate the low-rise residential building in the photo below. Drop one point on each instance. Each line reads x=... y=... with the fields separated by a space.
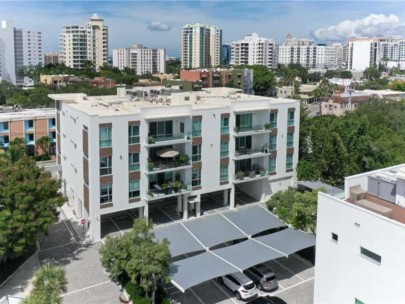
x=359 y=240
x=145 y=146
x=29 y=125
x=304 y=92
x=102 y=82
x=141 y=59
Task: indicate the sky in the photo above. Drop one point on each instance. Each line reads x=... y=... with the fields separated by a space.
x=158 y=23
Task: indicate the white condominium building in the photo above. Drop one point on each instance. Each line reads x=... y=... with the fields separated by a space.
x=143 y=60
x=304 y=52
x=200 y=46
x=151 y=147
x=392 y=52
x=254 y=50
x=360 y=240
x=362 y=53
x=81 y=43
x=18 y=48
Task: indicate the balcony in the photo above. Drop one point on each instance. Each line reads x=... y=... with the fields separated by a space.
x=250 y=130
x=170 y=189
x=246 y=176
x=168 y=165
x=249 y=153
x=165 y=139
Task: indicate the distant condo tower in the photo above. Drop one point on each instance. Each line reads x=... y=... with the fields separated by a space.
x=200 y=46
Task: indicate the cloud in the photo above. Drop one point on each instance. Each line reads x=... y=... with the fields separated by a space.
x=371 y=26
x=158 y=26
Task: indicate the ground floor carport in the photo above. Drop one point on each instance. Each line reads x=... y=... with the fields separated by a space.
x=232 y=241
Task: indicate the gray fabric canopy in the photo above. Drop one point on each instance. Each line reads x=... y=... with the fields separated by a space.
x=288 y=240
x=253 y=220
x=247 y=254
x=213 y=230
x=197 y=269
x=180 y=241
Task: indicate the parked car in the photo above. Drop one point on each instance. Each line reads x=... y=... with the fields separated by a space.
x=240 y=284
x=267 y=300
x=263 y=277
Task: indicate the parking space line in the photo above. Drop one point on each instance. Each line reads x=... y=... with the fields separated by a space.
x=302 y=260
x=59 y=246
x=85 y=288
x=115 y=224
x=131 y=215
x=223 y=291
x=295 y=285
x=285 y=267
x=196 y=296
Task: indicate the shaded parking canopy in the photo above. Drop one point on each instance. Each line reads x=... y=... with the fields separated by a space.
x=180 y=240
x=197 y=269
x=253 y=220
x=288 y=240
x=213 y=230
x=247 y=254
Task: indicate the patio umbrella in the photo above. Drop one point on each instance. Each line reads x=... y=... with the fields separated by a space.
x=168 y=153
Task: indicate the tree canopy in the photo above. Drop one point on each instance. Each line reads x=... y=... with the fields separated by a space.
x=137 y=257
x=29 y=199
x=372 y=137
x=295 y=208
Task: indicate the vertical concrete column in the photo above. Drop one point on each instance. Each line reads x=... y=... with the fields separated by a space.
x=146 y=211
x=95 y=228
x=140 y=212
x=185 y=209
x=198 y=208
x=232 y=197
x=178 y=209
x=226 y=201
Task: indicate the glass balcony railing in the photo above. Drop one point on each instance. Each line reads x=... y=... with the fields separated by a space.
x=273 y=124
x=272 y=168
x=242 y=152
x=252 y=128
x=246 y=175
x=290 y=122
x=224 y=130
x=161 y=190
x=163 y=165
x=152 y=139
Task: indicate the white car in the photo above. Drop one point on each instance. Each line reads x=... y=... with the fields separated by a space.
x=240 y=284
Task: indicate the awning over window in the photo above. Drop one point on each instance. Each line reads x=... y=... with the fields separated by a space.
x=253 y=220
x=288 y=240
x=180 y=240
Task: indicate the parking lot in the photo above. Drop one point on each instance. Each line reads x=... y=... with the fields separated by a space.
x=295 y=278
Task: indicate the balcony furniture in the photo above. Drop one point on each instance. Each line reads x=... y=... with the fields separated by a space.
x=168 y=153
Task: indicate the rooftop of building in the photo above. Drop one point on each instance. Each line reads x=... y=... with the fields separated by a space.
x=10 y=113
x=379 y=191
x=139 y=98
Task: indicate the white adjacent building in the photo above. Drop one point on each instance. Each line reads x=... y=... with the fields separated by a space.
x=18 y=48
x=303 y=51
x=362 y=53
x=151 y=145
x=81 y=43
x=141 y=59
x=392 y=52
x=254 y=50
x=200 y=46
x=360 y=240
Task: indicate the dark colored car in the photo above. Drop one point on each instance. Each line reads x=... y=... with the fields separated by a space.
x=267 y=300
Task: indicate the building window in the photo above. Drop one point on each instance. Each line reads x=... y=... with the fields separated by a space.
x=273 y=120
x=105 y=165
x=289 y=161
x=272 y=164
x=197 y=127
x=335 y=237
x=5 y=127
x=244 y=122
x=273 y=142
x=133 y=162
x=105 y=137
x=291 y=118
x=133 y=135
x=370 y=255
x=224 y=149
x=225 y=125
x=134 y=188
x=290 y=140
x=196 y=157
x=52 y=123
x=105 y=193
x=29 y=124
x=196 y=178
x=224 y=173
x=29 y=138
x=357 y=301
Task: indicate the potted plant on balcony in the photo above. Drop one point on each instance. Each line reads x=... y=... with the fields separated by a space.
x=150 y=193
x=267 y=126
x=151 y=139
x=177 y=185
x=151 y=166
x=265 y=148
x=183 y=159
x=165 y=188
x=240 y=175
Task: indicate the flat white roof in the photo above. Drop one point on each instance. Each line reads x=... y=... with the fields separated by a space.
x=26 y=114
